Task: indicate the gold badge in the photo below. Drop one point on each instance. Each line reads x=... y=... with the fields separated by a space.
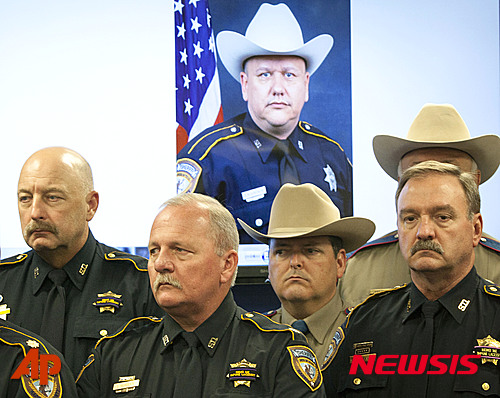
x=126 y=384
x=242 y=373
x=108 y=301
x=305 y=365
x=82 y=269
x=489 y=350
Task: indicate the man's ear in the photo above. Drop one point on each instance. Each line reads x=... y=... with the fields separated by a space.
x=92 y=200
x=244 y=85
x=341 y=262
x=229 y=267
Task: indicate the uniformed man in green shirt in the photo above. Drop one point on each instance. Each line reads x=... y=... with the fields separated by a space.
x=205 y=346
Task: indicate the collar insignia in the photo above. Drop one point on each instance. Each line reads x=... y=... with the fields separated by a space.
x=36 y=272
x=126 y=384
x=32 y=343
x=242 y=373
x=108 y=301
x=489 y=350
x=83 y=269
x=305 y=365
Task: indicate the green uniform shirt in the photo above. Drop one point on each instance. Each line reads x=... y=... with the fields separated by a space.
x=278 y=361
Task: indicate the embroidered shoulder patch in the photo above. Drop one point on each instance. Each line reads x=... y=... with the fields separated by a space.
x=305 y=365
x=188 y=174
x=333 y=348
x=35 y=389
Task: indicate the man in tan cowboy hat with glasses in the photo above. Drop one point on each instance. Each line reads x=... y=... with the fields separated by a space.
x=245 y=160
x=437 y=133
x=308 y=241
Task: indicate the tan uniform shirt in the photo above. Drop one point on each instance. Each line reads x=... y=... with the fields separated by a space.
x=382 y=266
x=322 y=325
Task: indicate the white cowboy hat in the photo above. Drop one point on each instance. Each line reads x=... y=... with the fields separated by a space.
x=305 y=210
x=438 y=126
x=272 y=31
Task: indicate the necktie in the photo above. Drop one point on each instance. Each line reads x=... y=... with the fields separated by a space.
x=429 y=310
x=52 y=327
x=300 y=325
x=288 y=171
x=189 y=376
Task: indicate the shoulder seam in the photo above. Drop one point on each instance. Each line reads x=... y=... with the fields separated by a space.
x=123 y=329
x=319 y=135
x=112 y=258
x=209 y=134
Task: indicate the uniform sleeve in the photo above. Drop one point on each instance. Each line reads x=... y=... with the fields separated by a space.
x=88 y=381
x=298 y=373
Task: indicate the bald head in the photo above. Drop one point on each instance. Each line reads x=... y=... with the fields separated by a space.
x=56 y=201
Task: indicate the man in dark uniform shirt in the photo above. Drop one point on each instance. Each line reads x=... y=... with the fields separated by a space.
x=437 y=133
x=101 y=288
x=15 y=344
x=439 y=335
x=244 y=161
x=205 y=346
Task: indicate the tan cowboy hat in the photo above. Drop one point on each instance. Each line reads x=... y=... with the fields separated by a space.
x=438 y=126
x=272 y=31
x=305 y=210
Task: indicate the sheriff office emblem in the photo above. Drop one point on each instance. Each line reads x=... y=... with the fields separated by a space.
x=333 y=347
x=489 y=350
x=108 y=301
x=305 y=365
x=242 y=373
x=35 y=389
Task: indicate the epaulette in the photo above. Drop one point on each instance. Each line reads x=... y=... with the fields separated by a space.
x=111 y=254
x=133 y=324
x=490 y=243
x=12 y=336
x=18 y=258
x=204 y=144
x=266 y=324
x=270 y=313
x=391 y=237
x=492 y=289
x=311 y=130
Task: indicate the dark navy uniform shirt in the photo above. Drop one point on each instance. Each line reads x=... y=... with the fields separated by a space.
x=279 y=362
x=392 y=323
x=95 y=270
x=237 y=163
x=15 y=343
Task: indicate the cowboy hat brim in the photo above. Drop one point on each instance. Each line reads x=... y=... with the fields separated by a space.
x=354 y=232
x=234 y=49
x=485 y=150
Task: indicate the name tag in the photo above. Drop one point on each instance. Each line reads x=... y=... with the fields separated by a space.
x=254 y=194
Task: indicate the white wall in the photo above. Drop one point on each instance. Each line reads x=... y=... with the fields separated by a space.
x=406 y=53
x=97 y=76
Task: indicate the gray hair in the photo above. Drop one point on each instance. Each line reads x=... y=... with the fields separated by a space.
x=473 y=166
x=466 y=179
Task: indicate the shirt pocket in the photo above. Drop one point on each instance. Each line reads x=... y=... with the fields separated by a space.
x=93 y=327
x=364 y=385
x=485 y=382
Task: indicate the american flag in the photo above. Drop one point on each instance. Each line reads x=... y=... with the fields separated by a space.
x=198 y=103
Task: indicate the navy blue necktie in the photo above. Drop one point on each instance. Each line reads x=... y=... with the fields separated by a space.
x=300 y=325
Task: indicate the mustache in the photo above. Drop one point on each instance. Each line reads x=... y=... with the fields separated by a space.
x=280 y=101
x=39 y=224
x=162 y=279
x=426 y=245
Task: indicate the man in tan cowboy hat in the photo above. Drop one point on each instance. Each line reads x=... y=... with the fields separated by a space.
x=437 y=133
x=245 y=160
x=308 y=241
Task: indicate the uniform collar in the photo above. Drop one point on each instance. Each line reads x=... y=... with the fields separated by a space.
x=209 y=332
x=318 y=328
x=264 y=143
x=457 y=301
x=76 y=268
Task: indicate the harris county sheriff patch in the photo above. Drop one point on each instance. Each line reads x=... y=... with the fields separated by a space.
x=188 y=174
x=305 y=365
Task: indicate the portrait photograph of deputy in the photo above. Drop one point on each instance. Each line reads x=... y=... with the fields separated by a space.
x=266 y=139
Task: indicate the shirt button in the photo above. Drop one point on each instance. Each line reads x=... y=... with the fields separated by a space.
x=233 y=129
x=259 y=222
x=307 y=127
x=485 y=386
x=357 y=381
x=103 y=332
x=111 y=255
x=483 y=239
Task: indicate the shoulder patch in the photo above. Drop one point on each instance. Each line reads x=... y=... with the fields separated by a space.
x=19 y=258
x=270 y=313
x=134 y=323
x=492 y=289
x=305 y=365
x=188 y=173
x=333 y=348
x=391 y=237
x=311 y=130
x=114 y=255
x=490 y=243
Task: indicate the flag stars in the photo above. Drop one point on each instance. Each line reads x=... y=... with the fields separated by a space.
x=195 y=25
x=197 y=49
x=194 y=2
x=184 y=57
x=178 y=6
x=209 y=18
x=199 y=75
x=181 y=31
x=188 y=106
x=186 y=81
x=211 y=43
